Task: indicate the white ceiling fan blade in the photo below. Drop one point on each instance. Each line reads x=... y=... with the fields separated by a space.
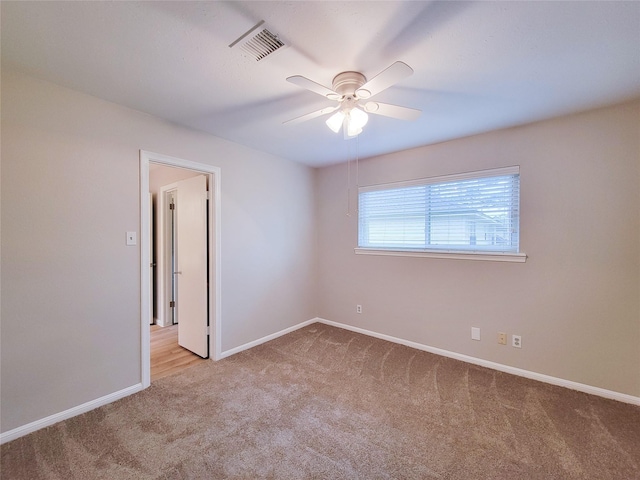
x=390 y=76
x=311 y=115
x=312 y=86
x=393 y=111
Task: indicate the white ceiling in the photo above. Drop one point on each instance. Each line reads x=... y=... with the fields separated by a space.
x=479 y=66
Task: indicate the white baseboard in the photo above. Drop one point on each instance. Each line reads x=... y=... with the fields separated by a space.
x=72 y=412
x=85 y=407
x=601 y=392
x=262 y=340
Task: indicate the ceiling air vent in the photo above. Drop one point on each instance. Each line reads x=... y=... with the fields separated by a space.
x=259 y=42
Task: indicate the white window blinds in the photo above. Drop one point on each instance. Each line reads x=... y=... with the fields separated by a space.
x=474 y=212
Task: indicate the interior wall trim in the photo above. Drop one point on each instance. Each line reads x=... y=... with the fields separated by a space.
x=64 y=415
x=85 y=407
x=273 y=336
x=580 y=387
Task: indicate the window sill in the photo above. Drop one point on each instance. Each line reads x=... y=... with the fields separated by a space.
x=486 y=256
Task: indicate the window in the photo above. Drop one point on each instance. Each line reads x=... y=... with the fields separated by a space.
x=472 y=213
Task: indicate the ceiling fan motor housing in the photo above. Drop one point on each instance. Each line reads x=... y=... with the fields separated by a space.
x=346 y=83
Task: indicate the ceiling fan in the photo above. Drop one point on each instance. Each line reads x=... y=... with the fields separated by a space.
x=351 y=90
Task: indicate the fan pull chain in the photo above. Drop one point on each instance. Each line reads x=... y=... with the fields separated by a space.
x=357 y=173
x=348 y=181
x=357 y=168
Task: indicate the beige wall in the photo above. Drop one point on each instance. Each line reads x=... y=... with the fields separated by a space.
x=70 y=285
x=70 y=306
x=161 y=175
x=576 y=301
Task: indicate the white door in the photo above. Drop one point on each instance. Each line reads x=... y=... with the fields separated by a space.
x=191 y=265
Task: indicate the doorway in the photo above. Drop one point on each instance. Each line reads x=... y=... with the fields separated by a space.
x=167 y=357
x=182 y=254
x=150 y=161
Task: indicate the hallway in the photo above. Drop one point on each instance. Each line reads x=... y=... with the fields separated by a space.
x=167 y=357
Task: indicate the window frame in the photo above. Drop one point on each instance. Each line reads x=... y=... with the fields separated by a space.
x=453 y=253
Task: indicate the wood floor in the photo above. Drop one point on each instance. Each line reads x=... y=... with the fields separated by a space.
x=167 y=357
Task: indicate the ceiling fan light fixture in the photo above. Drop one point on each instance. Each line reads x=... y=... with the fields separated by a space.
x=334 y=122
x=358 y=118
x=352 y=132
x=352 y=120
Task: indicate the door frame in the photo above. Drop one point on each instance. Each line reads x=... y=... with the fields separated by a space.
x=214 y=239
x=164 y=270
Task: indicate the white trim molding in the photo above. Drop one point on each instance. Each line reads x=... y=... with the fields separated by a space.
x=262 y=340
x=215 y=240
x=580 y=387
x=66 y=414
x=85 y=407
x=163 y=256
x=490 y=256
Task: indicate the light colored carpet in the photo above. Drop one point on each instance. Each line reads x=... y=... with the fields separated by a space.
x=325 y=403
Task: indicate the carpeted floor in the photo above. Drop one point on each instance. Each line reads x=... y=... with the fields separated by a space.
x=326 y=403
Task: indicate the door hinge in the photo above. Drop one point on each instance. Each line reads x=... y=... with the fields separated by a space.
x=208 y=330
x=172 y=206
x=172 y=304
x=206 y=195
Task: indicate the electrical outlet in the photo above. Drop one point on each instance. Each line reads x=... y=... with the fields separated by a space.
x=516 y=341
x=502 y=338
x=358 y=308
x=475 y=333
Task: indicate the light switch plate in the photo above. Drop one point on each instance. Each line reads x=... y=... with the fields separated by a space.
x=132 y=238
